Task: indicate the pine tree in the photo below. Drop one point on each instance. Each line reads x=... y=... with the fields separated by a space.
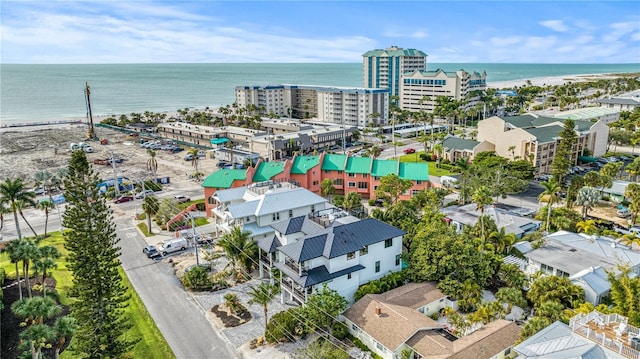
x=93 y=258
x=563 y=158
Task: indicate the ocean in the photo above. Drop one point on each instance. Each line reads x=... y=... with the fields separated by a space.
x=43 y=93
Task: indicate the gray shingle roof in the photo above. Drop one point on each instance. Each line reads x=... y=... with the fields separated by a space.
x=459 y=143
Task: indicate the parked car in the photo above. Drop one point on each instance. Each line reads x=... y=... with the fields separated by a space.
x=409 y=151
x=143 y=194
x=123 y=199
x=222 y=164
x=623 y=213
x=334 y=147
x=88 y=149
x=182 y=199
x=188 y=157
x=635 y=230
x=151 y=251
x=173 y=245
x=177 y=149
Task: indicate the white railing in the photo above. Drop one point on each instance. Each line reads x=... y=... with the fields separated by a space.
x=579 y=324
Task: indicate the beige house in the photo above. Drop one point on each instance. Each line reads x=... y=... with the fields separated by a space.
x=456 y=148
x=536 y=138
x=397 y=320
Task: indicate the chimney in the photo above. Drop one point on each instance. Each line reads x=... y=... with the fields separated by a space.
x=378 y=311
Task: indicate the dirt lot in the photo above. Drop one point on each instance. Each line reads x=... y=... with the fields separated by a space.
x=27 y=150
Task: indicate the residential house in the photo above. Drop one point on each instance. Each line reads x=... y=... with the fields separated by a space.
x=456 y=148
x=616 y=191
x=625 y=102
x=511 y=221
x=583 y=259
x=256 y=206
x=537 y=138
x=606 y=115
x=329 y=247
x=398 y=321
x=594 y=335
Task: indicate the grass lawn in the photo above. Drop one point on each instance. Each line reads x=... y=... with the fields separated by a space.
x=151 y=345
x=433 y=170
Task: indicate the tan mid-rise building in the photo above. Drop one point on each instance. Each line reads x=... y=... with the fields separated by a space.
x=537 y=138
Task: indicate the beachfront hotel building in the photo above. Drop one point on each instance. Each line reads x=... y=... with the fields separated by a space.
x=419 y=89
x=383 y=68
x=350 y=106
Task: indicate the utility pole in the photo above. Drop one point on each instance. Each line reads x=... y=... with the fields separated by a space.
x=195 y=240
x=115 y=175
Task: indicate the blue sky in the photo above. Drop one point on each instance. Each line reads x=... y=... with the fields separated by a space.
x=139 y=31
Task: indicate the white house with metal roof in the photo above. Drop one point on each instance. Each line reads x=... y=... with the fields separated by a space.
x=468 y=215
x=584 y=260
x=329 y=247
x=256 y=207
x=625 y=102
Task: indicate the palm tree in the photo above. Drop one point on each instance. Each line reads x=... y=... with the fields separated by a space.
x=502 y=241
x=374 y=151
x=551 y=190
x=13 y=249
x=47 y=180
x=326 y=188
x=46 y=206
x=46 y=260
x=28 y=252
x=633 y=192
x=262 y=295
x=20 y=205
x=37 y=336
x=64 y=327
x=589 y=226
x=152 y=163
x=194 y=153
x=34 y=311
x=232 y=302
x=150 y=207
x=587 y=197
x=3 y=211
x=482 y=197
x=13 y=193
x=240 y=249
x=512 y=297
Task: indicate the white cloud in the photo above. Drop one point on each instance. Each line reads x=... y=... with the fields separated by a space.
x=555 y=25
x=417 y=34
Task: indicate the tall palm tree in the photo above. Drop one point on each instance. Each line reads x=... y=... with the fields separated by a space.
x=46 y=206
x=587 y=197
x=47 y=180
x=482 y=197
x=150 y=207
x=551 y=190
x=240 y=249
x=64 y=328
x=13 y=249
x=3 y=210
x=152 y=163
x=13 y=193
x=20 y=205
x=633 y=192
x=28 y=252
x=194 y=153
x=262 y=295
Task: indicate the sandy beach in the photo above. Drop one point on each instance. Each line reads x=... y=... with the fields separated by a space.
x=550 y=80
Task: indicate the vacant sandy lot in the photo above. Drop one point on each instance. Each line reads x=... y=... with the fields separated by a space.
x=27 y=150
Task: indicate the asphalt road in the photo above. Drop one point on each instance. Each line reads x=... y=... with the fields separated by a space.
x=180 y=320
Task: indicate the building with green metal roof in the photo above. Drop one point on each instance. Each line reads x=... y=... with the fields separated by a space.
x=358 y=165
x=334 y=162
x=268 y=170
x=224 y=178
x=381 y=168
x=414 y=171
x=384 y=68
x=302 y=164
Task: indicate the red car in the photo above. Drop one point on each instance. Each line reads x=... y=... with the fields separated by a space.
x=123 y=199
x=409 y=151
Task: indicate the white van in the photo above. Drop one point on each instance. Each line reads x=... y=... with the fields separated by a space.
x=173 y=245
x=448 y=181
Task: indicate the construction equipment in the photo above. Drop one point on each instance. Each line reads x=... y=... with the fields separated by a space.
x=91 y=134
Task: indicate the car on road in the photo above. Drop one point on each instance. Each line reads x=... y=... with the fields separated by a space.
x=409 y=151
x=188 y=157
x=182 y=198
x=151 y=251
x=144 y=193
x=123 y=199
x=222 y=164
x=334 y=147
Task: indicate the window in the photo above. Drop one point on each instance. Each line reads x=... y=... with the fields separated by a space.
x=315 y=183
x=351 y=255
x=313 y=208
x=290 y=213
x=275 y=216
x=397 y=260
x=546 y=269
x=338 y=182
x=388 y=242
x=377 y=266
x=418 y=182
x=352 y=174
x=562 y=274
x=351 y=184
x=365 y=175
x=364 y=250
x=349 y=276
x=363 y=185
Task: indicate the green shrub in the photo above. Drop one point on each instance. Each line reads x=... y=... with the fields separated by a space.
x=371 y=201
x=200 y=206
x=142 y=216
x=2 y=276
x=358 y=343
x=339 y=330
x=196 y=279
x=143 y=228
x=388 y=282
x=282 y=325
x=425 y=156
